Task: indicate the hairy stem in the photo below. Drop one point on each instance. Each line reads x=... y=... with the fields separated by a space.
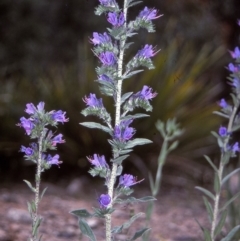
x=117 y=121
x=220 y=172
x=37 y=189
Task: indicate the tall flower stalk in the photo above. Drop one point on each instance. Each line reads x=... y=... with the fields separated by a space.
x=36 y=127
x=109 y=48
x=217 y=214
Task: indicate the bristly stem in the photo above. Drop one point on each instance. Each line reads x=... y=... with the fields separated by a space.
x=117 y=121
x=37 y=189
x=220 y=172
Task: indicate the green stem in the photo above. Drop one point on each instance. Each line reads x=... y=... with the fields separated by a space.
x=220 y=173
x=117 y=121
x=37 y=180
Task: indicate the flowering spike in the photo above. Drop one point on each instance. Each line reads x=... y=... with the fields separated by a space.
x=53 y=160
x=123 y=132
x=100 y=38
x=128 y=180
x=92 y=101
x=146 y=93
x=59 y=116
x=146 y=52
x=27 y=125
x=115 y=19
x=148 y=14
x=107 y=58
x=27 y=150
x=57 y=140
x=98 y=161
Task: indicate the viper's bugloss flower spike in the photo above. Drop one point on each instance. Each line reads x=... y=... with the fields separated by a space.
x=222 y=131
x=236 y=53
x=222 y=103
x=100 y=38
x=57 y=140
x=146 y=52
x=107 y=58
x=59 y=116
x=123 y=132
x=148 y=14
x=27 y=150
x=92 y=101
x=104 y=200
x=146 y=93
x=116 y=19
x=104 y=77
x=27 y=124
x=98 y=161
x=128 y=180
x=30 y=109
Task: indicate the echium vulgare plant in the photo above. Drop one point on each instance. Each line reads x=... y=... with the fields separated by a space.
x=217 y=214
x=36 y=127
x=109 y=47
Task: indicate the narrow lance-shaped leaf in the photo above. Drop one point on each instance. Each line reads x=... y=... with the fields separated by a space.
x=207 y=236
x=230 y=201
x=216 y=183
x=211 y=163
x=43 y=192
x=209 y=208
x=126 y=96
x=81 y=213
x=220 y=223
x=86 y=230
x=139 y=233
x=96 y=125
x=231 y=234
x=120 y=159
x=229 y=175
x=30 y=186
x=206 y=192
x=137 y=141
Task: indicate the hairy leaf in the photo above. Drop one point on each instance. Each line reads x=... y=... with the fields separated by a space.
x=206 y=192
x=96 y=125
x=137 y=141
x=139 y=233
x=86 y=230
x=81 y=213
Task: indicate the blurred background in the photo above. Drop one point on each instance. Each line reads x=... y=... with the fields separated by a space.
x=45 y=55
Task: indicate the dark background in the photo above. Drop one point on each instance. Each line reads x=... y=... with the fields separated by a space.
x=45 y=55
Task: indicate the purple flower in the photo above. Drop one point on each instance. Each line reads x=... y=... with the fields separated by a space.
x=236 y=83
x=107 y=3
x=92 y=101
x=235 y=147
x=27 y=125
x=27 y=150
x=59 y=116
x=128 y=180
x=53 y=160
x=123 y=132
x=146 y=93
x=222 y=131
x=104 y=200
x=148 y=14
x=57 y=140
x=223 y=103
x=146 y=52
x=98 y=161
x=236 y=53
x=115 y=19
x=100 y=38
x=107 y=58
x=31 y=109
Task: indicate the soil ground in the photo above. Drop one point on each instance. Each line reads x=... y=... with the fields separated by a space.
x=173 y=218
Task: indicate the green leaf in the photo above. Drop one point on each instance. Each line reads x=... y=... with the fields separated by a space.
x=206 y=192
x=138 y=115
x=173 y=146
x=229 y=175
x=137 y=141
x=231 y=234
x=132 y=73
x=211 y=163
x=122 y=152
x=86 y=230
x=43 y=192
x=96 y=125
x=126 y=96
x=81 y=213
x=30 y=186
x=120 y=159
x=150 y=177
x=143 y=199
x=221 y=114
x=230 y=201
x=119 y=170
x=127 y=224
x=36 y=226
x=220 y=223
x=209 y=208
x=139 y=233
x=207 y=236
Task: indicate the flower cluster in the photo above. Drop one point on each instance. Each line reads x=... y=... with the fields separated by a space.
x=36 y=127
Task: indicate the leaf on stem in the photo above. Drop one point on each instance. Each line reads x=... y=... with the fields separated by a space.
x=211 y=163
x=209 y=208
x=221 y=114
x=225 y=179
x=137 y=141
x=81 y=213
x=220 y=223
x=120 y=159
x=139 y=233
x=96 y=125
x=231 y=234
x=125 y=96
x=43 y=192
x=206 y=192
x=229 y=201
x=30 y=186
x=138 y=115
x=86 y=230
x=217 y=183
